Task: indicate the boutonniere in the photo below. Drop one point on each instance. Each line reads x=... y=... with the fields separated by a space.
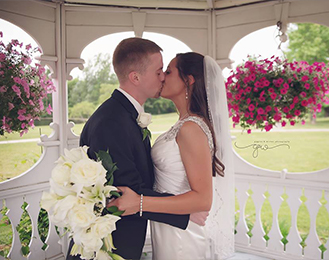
x=143 y=120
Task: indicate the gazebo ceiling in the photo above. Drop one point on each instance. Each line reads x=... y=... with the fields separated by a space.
x=167 y=4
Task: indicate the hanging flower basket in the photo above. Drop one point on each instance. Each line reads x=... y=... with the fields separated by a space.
x=23 y=88
x=262 y=93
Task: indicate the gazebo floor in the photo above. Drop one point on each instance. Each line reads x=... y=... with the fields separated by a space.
x=237 y=256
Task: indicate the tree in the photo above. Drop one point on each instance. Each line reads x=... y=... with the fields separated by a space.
x=98 y=71
x=309 y=42
x=81 y=110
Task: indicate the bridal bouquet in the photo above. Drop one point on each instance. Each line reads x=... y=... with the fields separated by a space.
x=23 y=88
x=79 y=188
x=265 y=92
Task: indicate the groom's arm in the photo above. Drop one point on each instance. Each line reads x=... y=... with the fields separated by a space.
x=118 y=142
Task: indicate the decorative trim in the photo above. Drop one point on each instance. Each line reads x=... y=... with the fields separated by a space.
x=50 y=61
x=71 y=64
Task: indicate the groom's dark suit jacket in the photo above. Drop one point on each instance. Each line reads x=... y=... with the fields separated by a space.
x=113 y=127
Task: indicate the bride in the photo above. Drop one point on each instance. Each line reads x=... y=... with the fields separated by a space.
x=186 y=158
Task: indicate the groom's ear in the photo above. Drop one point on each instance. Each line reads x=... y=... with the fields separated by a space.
x=191 y=80
x=134 y=77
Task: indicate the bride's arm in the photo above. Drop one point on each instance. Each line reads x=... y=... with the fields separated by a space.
x=197 y=160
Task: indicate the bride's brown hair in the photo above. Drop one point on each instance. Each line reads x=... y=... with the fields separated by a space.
x=191 y=63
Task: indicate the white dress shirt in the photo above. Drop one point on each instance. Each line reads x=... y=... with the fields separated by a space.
x=138 y=107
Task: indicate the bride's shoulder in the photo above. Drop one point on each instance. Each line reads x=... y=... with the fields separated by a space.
x=193 y=125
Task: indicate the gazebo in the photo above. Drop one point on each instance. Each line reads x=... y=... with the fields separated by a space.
x=63 y=28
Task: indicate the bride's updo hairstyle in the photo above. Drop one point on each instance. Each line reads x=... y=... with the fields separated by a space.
x=191 y=63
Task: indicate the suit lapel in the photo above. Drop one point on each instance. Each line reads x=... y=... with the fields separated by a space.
x=125 y=103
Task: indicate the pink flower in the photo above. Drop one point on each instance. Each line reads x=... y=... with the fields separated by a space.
x=295 y=99
x=1 y=34
x=2 y=57
x=21 y=118
x=260 y=111
x=49 y=109
x=280 y=81
x=286 y=109
x=251 y=107
x=283 y=91
x=246 y=80
x=266 y=83
x=307 y=86
x=297 y=112
x=268 y=127
x=292 y=123
x=3 y=89
x=236 y=119
x=248 y=89
x=303 y=94
x=10 y=106
x=305 y=78
x=262 y=99
x=249 y=131
x=304 y=103
x=285 y=85
x=252 y=77
x=23 y=125
x=292 y=106
x=271 y=90
x=259 y=117
x=17 y=80
x=258 y=84
x=268 y=108
x=277 y=117
x=27 y=47
x=237 y=97
x=303 y=122
x=17 y=90
x=283 y=123
x=248 y=101
x=273 y=96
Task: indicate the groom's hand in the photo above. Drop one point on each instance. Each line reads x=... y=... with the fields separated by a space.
x=199 y=217
x=128 y=202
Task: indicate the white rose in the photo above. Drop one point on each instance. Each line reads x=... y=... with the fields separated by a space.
x=102 y=255
x=61 y=209
x=87 y=172
x=48 y=200
x=81 y=215
x=61 y=174
x=88 y=241
x=104 y=225
x=61 y=190
x=76 y=154
x=144 y=119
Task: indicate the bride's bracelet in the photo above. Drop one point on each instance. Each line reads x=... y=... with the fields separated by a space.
x=141 y=206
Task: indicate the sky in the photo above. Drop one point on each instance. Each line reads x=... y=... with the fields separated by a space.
x=263 y=42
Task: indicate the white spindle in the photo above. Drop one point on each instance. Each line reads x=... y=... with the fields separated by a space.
x=275 y=236
x=241 y=236
x=14 y=214
x=258 y=240
x=293 y=246
x=33 y=210
x=312 y=241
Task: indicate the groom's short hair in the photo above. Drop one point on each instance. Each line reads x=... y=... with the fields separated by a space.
x=132 y=55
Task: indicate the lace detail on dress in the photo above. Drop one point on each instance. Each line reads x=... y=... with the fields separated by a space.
x=172 y=133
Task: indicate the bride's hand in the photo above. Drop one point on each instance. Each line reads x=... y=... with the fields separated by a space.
x=199 y=217
x=128 y=202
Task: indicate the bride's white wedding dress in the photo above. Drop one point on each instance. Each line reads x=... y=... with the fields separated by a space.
x=170 y=177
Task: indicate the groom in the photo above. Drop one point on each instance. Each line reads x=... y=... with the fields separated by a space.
x=138 y=65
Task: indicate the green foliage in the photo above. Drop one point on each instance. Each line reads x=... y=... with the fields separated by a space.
x=309 y=42
x=106 y=91
x=157 y=106
x=82 y=110
x=97 y=72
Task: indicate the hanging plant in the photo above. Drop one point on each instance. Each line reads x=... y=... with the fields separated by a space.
x=264 y=92
x=23 y=88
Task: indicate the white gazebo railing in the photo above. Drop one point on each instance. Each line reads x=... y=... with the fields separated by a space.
x=261 y=184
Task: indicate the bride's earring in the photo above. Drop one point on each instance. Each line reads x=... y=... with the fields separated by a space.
x=186 y=96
